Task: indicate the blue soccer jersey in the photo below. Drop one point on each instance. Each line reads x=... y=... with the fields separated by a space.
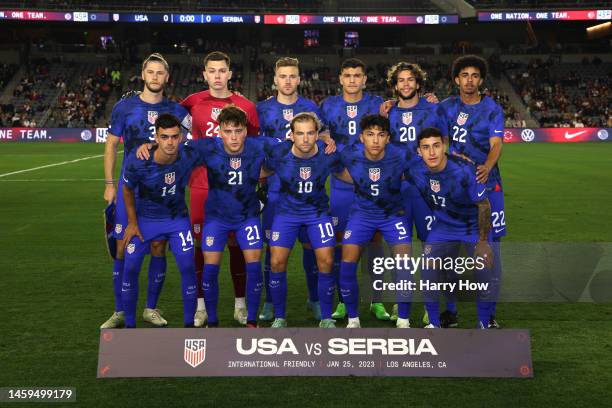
x=302 y=190
x=377 y=183
x=134 y=120
x=160 y=188
x=452 y=194
x=275 y=120
x=407 y=123
x=342 y=118
x=470 y=127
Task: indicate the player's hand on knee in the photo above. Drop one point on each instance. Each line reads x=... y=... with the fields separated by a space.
x=110 y=193
x=143 y=152
x=483 y=250
x=385 y=107
x=131 y=231
x=482 y=173
x=431 y=98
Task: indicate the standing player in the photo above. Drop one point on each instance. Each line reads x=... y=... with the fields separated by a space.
x=205 y=107
x=463 y=216
x=377 y=171
x=275 y=115
x=302 y=168
x=475 y=126
x=154 y=194
x=133 y=119
x=342 y=114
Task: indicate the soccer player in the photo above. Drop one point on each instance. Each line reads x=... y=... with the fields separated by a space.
x=154 y=195
x=475 y=126
x=133 y=119
x=462 y=212
x=303 y=168
x=275 y=115
x=376 y=169
x=342 y=114
x=205 y=107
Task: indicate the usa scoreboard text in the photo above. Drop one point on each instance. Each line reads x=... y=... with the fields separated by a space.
x=197 y=18
x=314 y=352
x=545 y=15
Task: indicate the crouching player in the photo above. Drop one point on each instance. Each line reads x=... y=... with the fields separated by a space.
x=158 y=212
x=303 y=168
x=463 y=214
x=376 y=169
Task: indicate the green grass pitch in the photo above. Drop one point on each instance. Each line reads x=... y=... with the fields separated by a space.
x=56 y=290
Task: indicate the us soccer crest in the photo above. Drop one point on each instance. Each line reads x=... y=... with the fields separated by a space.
x=305 y=173
x=374 y=174
x=214 y=113
x=210 y=241
x=275 y=235
x=152 y=116
x=235 y=162
x=462 y=118
x=169 y=178
x=347 y=234
x=131 y=248
x=195 y=352
x=435 y=186
x=288 y=114
x=407 y=118
x=351 y=111
x=118 y=228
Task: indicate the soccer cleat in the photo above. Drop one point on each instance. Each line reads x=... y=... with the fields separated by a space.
x=378 y=309
x=279 y=323
x=340 y=312
x=154 y=317
x=425 y=318
x=402 y=323
x=327 y=324
x=394 y=315
x=448 y=319
x=267 y=314
x=251 y=325
x=116 y=320
x=240 y=314
x=353 y=323
x=315 y=307
x=431 y=326
x=493 y=323
x=199 y=318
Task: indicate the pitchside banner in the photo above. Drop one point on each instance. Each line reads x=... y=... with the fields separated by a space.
x=314 y=352
x=511 y=135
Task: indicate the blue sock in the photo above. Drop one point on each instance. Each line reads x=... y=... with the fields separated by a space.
x=189 y=285
x=403 y=310
x=336 y=270
x=483 y=310
x=278 y=289
x=311 y=271
x=266 y=273
x=210 y=284
x=433 y=310
x=129 y=288
x=375 y=250
x=253 y=289
x=157 y=275
x=326 y=289
x=118 y=282
x=349 y=287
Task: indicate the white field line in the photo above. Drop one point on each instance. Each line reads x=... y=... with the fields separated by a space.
x=53 y=165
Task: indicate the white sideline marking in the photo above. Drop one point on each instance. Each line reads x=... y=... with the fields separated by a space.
x=54 y=164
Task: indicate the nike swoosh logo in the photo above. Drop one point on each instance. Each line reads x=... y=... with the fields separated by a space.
x=497 y=231
x=497 y=131
x=570 y=136
x=326 y=240
x=124 y=290
x=126 y=180
x=190 y=293
x=403 y=237
x=253 y=243
x=481 y=193
x=187 y=249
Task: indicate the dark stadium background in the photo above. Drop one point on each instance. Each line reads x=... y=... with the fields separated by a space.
x=56 y=282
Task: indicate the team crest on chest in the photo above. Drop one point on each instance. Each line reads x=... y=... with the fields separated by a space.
x=305 y=173
x=351 y=111
x=435 y=185
x=210 y=241
x=407 y=118
x=152 y=116
x=214 y=113
x=235 y=162
x=462 y=118
x=374 y=174
x=169 y=178
x=288 y=114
